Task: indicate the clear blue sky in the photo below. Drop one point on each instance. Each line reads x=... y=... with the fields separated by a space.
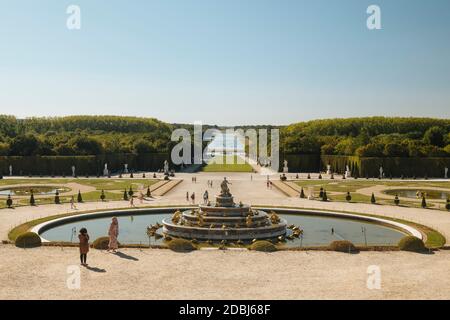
x=225 y=62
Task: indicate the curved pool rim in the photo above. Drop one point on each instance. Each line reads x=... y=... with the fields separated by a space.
x=40 y=228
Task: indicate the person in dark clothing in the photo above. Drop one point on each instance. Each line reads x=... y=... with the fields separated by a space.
x=84 y=245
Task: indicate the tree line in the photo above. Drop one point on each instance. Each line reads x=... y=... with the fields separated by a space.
x=83 y=135
x=369 y=137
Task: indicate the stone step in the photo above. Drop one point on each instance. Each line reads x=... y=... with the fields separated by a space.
x=286 y=189
x=169 y=185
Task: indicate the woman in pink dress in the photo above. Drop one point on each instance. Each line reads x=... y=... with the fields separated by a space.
x=113 y=233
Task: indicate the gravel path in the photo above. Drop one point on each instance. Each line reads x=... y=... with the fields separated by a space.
x=161 y=274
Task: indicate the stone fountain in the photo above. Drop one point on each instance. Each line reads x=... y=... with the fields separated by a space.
x=224 y=220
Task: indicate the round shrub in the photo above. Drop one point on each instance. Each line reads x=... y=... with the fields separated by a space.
x=181 y=245
x=410 y=243
x=28 y=240
x=263 y=245
x=343 y=246
x=101 y=243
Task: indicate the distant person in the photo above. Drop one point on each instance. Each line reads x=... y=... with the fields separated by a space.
x=72 y=203
x=332 y=230
x=187 y=196
x=113 y=233
x=193 y=197
x=84 y=246
x=205 y=197
x=131 y=201
x=141 y=197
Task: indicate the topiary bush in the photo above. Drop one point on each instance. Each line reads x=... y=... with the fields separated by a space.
x=79 y=197
x=396 y=200
x=447 y=205
x=101 y=243
x=372 y=199
x=9 y=201
x=181 y=245
x=348 y=197
x=343 y=246
x=411 y=243
x=424 y=202
x=263 y=245
x=28 y=240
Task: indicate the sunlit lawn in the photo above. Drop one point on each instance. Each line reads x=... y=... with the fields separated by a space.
x=227 y=164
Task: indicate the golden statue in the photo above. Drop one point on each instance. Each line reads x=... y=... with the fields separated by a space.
x=249 y=221
x=176 y=216
x=274 y=218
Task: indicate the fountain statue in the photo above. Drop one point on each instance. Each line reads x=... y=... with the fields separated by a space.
x=224 y=220
x=225 y=191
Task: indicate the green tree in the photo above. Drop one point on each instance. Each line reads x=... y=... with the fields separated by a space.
x=434 y=136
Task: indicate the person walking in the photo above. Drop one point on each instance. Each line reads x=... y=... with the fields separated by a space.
x=205 y=197
x=193 y=197
x=72 y=203
x=187 y=195
x=84 y=246
x=113 y=233
x=131 y=201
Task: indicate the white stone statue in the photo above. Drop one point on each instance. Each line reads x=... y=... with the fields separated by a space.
x=285 y=166
x=446 y=173
x=348 y=174
x=73 y=171
x=125 y=166
x=328 y=168
x=166 y=166
x=10 y=170
x=105 y=170
x=381 y=172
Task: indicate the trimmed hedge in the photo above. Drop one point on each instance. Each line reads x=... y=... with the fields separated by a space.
x=263 y=245
x=28 y=240
x=413 y=244
x=85 y=165
x=101 y=243
x=343 y=246
x=181 y=245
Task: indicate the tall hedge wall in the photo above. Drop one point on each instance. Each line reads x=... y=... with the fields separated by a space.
x=301 y=162
x=408 y=167
x=92 y=165
x=339 y=163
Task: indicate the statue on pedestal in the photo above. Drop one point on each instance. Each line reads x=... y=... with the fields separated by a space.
x=166 y=167
x=285 y=166
x=328 y=168
x=225 y=191
x=10 y=170
x=446 y=173
x=73 y=171
x=105 y=170
x=125 y=168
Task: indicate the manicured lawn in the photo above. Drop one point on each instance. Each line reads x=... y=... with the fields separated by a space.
x=227 y=164
x=351 y=185
x=113 y=188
